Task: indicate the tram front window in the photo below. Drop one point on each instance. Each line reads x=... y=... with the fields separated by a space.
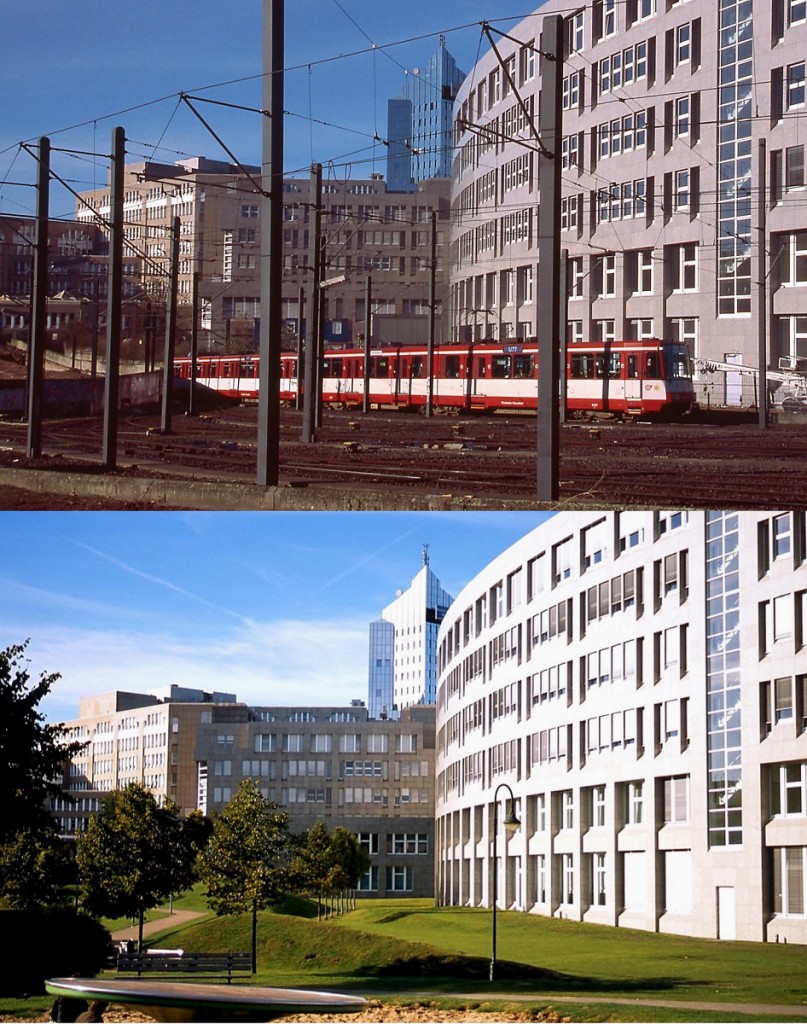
x=676 y=360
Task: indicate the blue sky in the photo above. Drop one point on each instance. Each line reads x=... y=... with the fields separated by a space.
x=272 y=606
x=75 y=71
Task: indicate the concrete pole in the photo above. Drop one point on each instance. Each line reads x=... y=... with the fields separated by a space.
x=36 y=347
x=549 y=176
x=268 y=470
x=114 y=297
x=170 y=330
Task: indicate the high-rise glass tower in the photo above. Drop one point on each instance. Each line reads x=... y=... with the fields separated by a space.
x=403 y=646
x=419 y=123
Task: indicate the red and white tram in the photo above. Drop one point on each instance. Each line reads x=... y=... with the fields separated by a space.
x=622 y=378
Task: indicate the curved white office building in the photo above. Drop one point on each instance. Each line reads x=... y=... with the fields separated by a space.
x=638 y=681
x=683 y=206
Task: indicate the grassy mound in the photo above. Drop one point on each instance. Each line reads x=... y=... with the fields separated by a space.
x=293 y=945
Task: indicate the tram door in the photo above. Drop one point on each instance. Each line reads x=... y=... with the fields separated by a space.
x=633 y=380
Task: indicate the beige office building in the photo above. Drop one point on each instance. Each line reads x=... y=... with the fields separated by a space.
x=367 y=230
x=331 y=764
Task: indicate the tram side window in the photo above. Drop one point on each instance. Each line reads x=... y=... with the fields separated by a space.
x=582 y=367
x=652 y=368
x=452 y=367
x=247 y=369
x=523 y=367
x=500 y=367
x=417 y=366
x=633 y=367
x=379 y=367
x=480 y=366
x=225 y=369
x=211 y=370
x=614 y=365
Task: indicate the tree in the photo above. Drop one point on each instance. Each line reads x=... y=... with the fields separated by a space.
x=33 y=860
x=245 y=862
x=134 y=854
x=327 y=864
x=33 y=753
x=36 y=866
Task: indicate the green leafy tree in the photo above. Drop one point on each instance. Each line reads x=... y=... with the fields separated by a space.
x=33 y=861
x=36 y=867
x=134 y=855
x=33 y=752
x=245 y=863
x=328 y=864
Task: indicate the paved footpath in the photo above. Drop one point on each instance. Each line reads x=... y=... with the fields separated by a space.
x=176 y=917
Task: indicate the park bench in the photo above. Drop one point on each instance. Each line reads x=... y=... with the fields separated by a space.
x=231 y=964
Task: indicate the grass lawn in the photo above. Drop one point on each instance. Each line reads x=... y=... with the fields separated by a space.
x=399 y=949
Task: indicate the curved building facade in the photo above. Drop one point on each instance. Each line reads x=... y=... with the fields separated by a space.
x=683 y=182
x=638 y=681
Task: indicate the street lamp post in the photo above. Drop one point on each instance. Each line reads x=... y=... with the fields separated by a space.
x=511 y=823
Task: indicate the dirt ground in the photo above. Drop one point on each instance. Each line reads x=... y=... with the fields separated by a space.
x=416 y=1013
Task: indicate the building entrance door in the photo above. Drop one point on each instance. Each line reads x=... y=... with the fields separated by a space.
x=726 y=913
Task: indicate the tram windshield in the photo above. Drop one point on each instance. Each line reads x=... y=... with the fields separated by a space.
x=676 y=362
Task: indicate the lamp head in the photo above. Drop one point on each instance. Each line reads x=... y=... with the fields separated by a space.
x=511 y=821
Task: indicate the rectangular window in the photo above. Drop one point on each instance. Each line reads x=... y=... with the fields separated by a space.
x=676 y=799
x=399 y=878
x=789 y=868
x=795 y=86
x=683 y=44
x=794 y=167
x=634 y=803
x=598 y=882
x=377 y=743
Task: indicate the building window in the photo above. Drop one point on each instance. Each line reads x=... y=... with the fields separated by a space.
x=684 y=267
x=571 y=90
x=369 y=841
x=399 y=878
x=369 y=881
x=794 y=258
x=676 y=799
x=788 y=789
x=540 y=878
x=574 y=32
x=794 y=167
x=378 y=743
x=682 y=117
x=598 y=886
x=795 y=86
x=789 y=870
x=683 y=44
x=796 y=11
x=634 y=803
x=567 y=878
x=406 y=743
x=598 y=807
x=408 y=843
x=567 y=808
x=781 y=534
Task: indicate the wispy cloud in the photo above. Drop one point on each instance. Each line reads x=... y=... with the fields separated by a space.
x=159 y=581
x=281 y=662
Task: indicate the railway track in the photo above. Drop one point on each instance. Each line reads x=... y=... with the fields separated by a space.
x=660 y=465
